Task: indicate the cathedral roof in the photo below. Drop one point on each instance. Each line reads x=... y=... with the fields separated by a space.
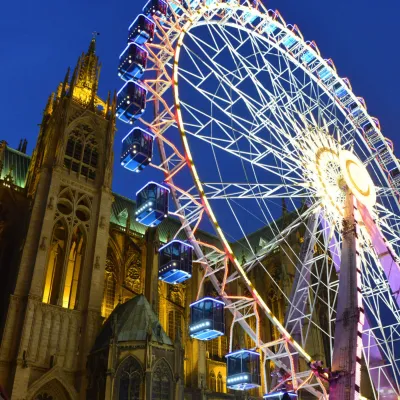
x=17 y=163
x=132 y=321
x=124 y=207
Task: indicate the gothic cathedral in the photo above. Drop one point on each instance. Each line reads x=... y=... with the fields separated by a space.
x=83 y=314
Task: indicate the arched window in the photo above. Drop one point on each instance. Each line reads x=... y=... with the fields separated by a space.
x=213 y=347
x=161 y=385
x=220 y=385
x=55 y=263
x=129 y=380
x=75 y=262
x=109 y=294
x=213 y=382
x=52 y=390
x=81 y=154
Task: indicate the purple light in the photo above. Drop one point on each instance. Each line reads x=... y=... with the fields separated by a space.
x=129 y=44
x=155 y=183
x=146 y=132
x=175 y=241
x=208 y=298
x=242 y=351
x=130 y=26
x=136 y=83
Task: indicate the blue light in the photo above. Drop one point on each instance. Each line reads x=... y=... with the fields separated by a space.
x=207 y=298
x=289 y=41
x=280 y=395
x=207 y=334
x=140 y=16
x=249 y=17
x=175 y=241
x=235 y=353
x=147 y=133
x=324 y=73
x=175 y=276
x=307 y=57
x=152 y=182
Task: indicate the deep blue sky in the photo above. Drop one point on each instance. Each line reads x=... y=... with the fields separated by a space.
x=40 y=39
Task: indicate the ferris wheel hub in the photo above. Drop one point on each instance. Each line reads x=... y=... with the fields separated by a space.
x=357 y=178
x=335 y=172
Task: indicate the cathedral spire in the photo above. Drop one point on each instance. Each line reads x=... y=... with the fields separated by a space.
x=87 y=75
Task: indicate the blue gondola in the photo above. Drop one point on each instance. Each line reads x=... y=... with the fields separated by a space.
x=249 y=17
x=269 y=27
x=339 y=90
x=281 y=395
x=131 y=102
x=132 y=62
x=156 y=7
x=152 y=204
x=175 y=8
x=394 y=176
x=141 y=30
x=288 y=41
x=354 y=109
x=324 y=73
x=175 y=262
x=307 y=56
x=137 y=149
x=243 y=370
x=207 y=319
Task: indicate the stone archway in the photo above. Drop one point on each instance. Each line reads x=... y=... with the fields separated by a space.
x=52 y=390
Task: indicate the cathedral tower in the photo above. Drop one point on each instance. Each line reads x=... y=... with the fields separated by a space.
x=54 y=310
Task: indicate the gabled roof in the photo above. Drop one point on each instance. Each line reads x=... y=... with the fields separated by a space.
x=18 y=162
x=132 y=321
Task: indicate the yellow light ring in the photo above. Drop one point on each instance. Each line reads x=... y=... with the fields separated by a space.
x=357 y=178
x=204 y=200
x=320 y=158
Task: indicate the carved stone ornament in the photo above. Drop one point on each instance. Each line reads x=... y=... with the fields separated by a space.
x=102 y=224
x=43 y=245
x=50 y=206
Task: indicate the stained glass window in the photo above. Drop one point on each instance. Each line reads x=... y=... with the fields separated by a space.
x=213 y=382
x=220 y=387
x=130 y=377
x=161 y=387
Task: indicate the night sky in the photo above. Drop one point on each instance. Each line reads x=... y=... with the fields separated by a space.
x=41 y=39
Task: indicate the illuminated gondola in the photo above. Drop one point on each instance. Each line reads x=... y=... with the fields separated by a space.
x=152 y=204
x=175 y=262
x=207 y=319
x=137 y=149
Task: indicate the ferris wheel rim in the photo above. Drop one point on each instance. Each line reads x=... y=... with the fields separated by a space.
x=324 y=88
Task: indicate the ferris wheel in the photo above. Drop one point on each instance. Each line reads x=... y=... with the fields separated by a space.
x=247 y=113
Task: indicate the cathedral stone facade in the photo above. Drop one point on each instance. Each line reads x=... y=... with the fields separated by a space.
x=83 y=314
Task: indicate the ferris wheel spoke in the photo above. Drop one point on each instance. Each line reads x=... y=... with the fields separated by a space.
x=223 y=191
x=247 y=99
x=287 y=158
